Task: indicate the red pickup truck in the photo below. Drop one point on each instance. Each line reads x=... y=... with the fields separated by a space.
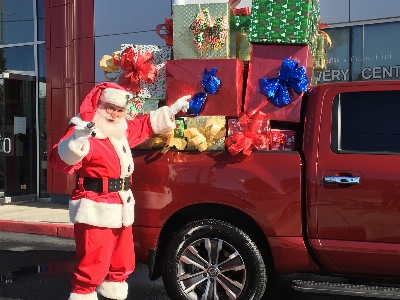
x=216 y=226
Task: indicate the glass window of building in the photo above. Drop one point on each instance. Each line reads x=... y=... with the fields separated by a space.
x=16 y=21
x=23 y=100
x=364 y=52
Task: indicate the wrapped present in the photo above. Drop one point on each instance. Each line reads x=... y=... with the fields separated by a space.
x=319 y=46
x=206 y=133
x=180 y=128
x=140 y=106
x=242 y=24
x=194 y=77
x=167 y=140
x=283 y=21
x=203 y=31
x=247 y=133
x=282 y=139
x=143 y=70
x=269 y=82
x=110 y=64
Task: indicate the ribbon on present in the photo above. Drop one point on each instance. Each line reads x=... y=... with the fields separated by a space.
x=135 y=105
x=110 y=64
x=136 y=69
x=322 y=42
x=212 y=130
x=166 y=141
x=290 y=76
x=168 y=28
x=210 y=84
x=254 y=134
x=178 y=143
x=209 y=32
x=234 y=3
x=244 y=11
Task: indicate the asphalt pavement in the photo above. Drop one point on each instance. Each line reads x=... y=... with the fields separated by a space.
x=36 y=217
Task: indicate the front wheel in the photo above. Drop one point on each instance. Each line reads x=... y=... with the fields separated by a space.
x=213 y=260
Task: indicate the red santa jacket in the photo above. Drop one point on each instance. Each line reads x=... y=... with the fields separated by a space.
x=102 y=157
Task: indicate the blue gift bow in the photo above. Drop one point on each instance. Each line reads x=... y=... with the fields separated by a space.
x=276 y=89
x=210 y=84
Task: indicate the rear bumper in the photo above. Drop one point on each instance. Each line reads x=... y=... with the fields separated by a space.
x=145 y=238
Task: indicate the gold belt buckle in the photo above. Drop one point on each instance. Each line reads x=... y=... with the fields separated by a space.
x=123 y=184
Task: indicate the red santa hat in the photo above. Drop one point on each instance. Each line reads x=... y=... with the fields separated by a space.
x=105 y=92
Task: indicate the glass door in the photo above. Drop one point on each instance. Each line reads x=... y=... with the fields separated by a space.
x=18 y=143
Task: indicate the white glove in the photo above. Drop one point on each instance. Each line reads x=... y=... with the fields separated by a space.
x=182 y=104
x=82 y=131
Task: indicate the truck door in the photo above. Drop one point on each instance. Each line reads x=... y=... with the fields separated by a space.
x=358 y=194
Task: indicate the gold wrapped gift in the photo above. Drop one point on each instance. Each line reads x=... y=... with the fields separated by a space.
x=109 y=64
x=243 y=46
x=166 y=140
x=322 y=42
x=206 y=133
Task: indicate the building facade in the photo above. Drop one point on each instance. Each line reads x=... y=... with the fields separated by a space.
x=49 y=60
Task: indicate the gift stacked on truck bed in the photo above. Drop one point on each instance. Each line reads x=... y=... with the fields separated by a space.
x=205 y=66
x=280 y=69
x=241 y=75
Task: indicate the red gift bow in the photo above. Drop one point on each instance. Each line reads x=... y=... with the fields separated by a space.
x=251 y=137
x=168 y=35
x=244 y=11
x=133 y=70
x=323 y=25
x=234 y=3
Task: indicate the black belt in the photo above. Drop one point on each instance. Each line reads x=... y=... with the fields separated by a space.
x=114 y=185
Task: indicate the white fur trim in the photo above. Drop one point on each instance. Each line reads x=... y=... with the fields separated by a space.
x=94 y=213
x=115 y=96
x=76 y=296
x=76 y=120
x=70 y=152
x=113 y=290
x=161 y=121
x=128 y=208
x=125 y=158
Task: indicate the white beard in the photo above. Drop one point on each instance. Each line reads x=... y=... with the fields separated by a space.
x=105 y=128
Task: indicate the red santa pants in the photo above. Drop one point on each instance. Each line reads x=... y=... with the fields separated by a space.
x=103 y=254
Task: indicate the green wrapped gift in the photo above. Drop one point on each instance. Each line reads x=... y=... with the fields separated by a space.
x=286 y=21
x=180 y=127
x=203 y=31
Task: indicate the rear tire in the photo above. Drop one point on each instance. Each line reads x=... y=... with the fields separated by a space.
x=212 y=259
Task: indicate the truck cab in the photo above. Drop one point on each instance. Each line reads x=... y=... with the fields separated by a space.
x=216 y=226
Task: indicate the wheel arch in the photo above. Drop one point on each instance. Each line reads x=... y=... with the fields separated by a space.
x=210 y=211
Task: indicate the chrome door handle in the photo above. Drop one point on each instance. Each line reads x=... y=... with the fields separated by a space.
x=342 y=180
x=9 y=145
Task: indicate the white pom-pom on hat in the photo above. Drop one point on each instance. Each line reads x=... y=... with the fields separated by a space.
x=115 y=96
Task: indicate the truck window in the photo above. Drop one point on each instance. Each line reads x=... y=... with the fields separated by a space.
x=366 y=122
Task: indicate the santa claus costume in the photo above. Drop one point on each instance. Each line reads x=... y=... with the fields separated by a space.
x=102 y=205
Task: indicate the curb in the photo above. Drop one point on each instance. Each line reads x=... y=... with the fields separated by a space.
x=58 y=230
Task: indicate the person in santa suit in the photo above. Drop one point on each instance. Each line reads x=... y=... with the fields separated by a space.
x=96 y=146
